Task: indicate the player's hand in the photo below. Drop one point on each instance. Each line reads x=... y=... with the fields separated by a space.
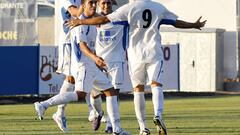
x=73 y=23
x=198 y=24
x=100 y=63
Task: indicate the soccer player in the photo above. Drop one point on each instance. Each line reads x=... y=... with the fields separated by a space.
x=67 y=9
x=87 y=75
x=145 y=53
x=111 y=43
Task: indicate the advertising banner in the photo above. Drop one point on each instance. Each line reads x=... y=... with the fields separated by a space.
x=17 y=22
x=49 y=81
x=171 y=68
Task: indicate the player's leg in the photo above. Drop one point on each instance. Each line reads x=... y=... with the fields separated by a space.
x=63 y=98
x=138 y=77
x=59 y=117
x=104 y=84
x=115 y=74
x=155 y=72
x=113 y=111
x=108 y=128
x=58 y=99
x=68 y=84
x=96 y=101
x=92 y=113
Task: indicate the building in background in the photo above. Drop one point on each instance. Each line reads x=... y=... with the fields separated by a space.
x=45 y=22
x=220 y=14
x=18 y=23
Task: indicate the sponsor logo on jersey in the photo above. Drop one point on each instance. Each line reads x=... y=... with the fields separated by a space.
x=107 y=36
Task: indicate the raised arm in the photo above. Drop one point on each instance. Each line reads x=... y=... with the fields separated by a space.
x=197 y=25
x=91 y=21
x=74 y=11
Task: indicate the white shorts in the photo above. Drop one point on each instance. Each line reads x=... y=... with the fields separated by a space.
x=115 y=73
x=95 y=93
x=89 y=77
x=141 y=72
x=64 y=59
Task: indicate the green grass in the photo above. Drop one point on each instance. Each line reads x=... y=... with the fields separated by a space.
x=215 y=115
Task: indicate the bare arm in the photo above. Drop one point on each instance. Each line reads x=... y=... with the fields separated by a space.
x=98 y=60
x=197 y=25
x=92 y=21
x=80 y=11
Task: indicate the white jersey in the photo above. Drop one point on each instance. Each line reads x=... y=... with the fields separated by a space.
x=144 y=18
x=83 y=33
x=111 y=42
x=63 y=17
x=62 y=38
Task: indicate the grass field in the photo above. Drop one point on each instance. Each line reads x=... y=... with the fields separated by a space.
x=213 y=115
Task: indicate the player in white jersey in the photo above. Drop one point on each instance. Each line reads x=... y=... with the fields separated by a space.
x=144 y=52
x=111 y=44
x=65 y=9
x=87 y=75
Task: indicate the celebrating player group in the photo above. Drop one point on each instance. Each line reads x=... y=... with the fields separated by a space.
x=93 y=44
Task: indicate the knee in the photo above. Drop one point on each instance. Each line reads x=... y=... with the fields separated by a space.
x=81 y=95
x=156 y=84
x=70 y=79
x=139 y=88
x=110 y=92
x=95 y=96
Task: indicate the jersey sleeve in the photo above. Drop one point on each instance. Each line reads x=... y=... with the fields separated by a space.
x=67 y=4
x=81 y=34
x=121 y=14
x=169 y=18
x=169 y=15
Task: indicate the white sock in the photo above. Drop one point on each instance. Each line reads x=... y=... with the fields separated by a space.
x=108 y=124
x=97 y=104
x=113 y=112
x=88 y=101
x=60 y=99
x=66 y=86
x=61 y=110
x=140 y=109
x=157 y=99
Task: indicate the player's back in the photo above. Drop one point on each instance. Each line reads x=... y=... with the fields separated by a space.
x=144 y=18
